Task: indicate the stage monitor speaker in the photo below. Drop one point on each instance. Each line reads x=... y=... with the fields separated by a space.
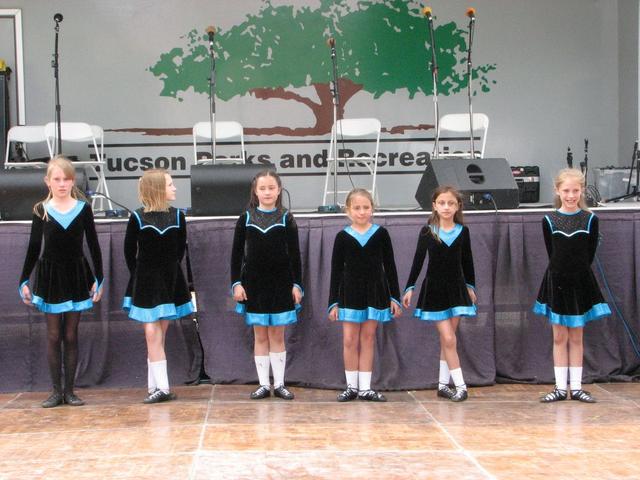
x=21 y=189
x=222 y=190
x=481 y=181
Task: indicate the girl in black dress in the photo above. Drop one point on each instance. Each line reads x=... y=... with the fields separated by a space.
x=364 y=291
x=569 y=295
x=63 y=285
x=157 y=291
x=448 y=290
x=266 y=278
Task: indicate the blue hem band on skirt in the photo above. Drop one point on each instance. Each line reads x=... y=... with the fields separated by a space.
x=167 y=311
x=361 y=316
x=597 y=311
x=68 y=306
x=462 y=311
x=268 y=319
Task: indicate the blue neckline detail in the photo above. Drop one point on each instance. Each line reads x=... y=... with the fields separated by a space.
x=283 y=222
x=271 y=210
x=449 y=236
x=362 y=238
x=161 y=232
x=65 y=219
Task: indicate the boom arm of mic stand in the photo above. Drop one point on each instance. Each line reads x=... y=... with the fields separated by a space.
x=212 y=103
x=469 y=89
x=434 y=77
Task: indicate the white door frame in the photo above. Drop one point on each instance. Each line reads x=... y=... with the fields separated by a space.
x=16 y=15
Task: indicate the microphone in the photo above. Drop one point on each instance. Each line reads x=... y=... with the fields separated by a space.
x=211 y=31
x=471 y=13
x=569 y=158
x=57 y=17
x=426 y=11
x=331 y=43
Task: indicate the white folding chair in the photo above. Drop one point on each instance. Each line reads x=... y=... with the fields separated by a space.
x=458 y=123
x=24 y=134
x=83 y=132
x=224 y=131
x=346 y=130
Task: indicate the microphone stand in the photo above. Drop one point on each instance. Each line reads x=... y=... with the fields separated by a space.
x=472 y=23
x=335 y=92
x=434 y=76
x=202 y=377
x=212 y=100
x=56 y=74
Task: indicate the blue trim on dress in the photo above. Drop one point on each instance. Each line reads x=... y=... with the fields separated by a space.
x=472 y=287
x=572 y=321
x=264 y=210
x=448 y=236
x=569 y=213
x=65 y=219
x=99 y=284
x=282 y=224
x=331 y=307
x=362 y=238
x=396 y=301
x=68 y=306
x=460 y=311
x=299 y=288
x=408 y=289
x=166 y=311
x=268 y=319
x=361 y=316
x=161 y=232
x=234 y=285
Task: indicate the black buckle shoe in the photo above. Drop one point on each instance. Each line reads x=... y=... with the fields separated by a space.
x=73 y=400
x=556 y=395
x=283 y=393
x=348 y=395
x=55 y=399
x=159 y=396
x=372 y=396
x=582 y=396
x=460 y=395
x=262 y=392
x=445 y=391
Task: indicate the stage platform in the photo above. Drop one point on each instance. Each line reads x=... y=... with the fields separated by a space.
x=216 y=432
x=505 y=342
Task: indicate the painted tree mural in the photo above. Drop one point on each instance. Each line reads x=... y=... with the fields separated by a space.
x=381 y=47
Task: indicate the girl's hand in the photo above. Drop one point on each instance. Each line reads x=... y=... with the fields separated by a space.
x=472 y=294
x=395 y=309
x=297 y=295
x=406 y=299
x=26 y=294
x=333 y=314
x=96 y=294
x=239 y=295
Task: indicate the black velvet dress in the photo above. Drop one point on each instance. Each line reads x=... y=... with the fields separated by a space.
x=63 y=277
x=450 y=271
x=364 y=279
x=569 y=294
x=265 y=260
x=153 y=248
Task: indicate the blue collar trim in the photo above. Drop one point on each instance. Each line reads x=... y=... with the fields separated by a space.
x=282 y=223
x=65 y=219
x=559 y=232
x=448 y=236
x=270 y=210
x=569 y=213
x=362 y=238
x=161 y=232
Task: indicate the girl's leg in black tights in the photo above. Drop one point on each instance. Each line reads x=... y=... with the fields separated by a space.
x=54 y=357
x=71 y=320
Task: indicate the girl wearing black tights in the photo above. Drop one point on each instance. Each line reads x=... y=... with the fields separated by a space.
x=63 y=284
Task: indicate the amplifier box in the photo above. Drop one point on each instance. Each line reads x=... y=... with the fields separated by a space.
x=528 y=181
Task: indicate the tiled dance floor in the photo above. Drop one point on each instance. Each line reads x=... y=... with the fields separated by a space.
x=501 y=432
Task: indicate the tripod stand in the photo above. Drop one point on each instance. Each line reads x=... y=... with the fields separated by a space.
x=635 y=166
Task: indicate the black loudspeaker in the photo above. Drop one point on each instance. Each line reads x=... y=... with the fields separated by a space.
x=220 y=190
x=482 y=181
x=21 y=189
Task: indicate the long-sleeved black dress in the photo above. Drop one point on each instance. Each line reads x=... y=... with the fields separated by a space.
x=265 y=260
x=153 y=249
x=450 y=271
x=63 y=277
x=569 y=294
x=364 y=279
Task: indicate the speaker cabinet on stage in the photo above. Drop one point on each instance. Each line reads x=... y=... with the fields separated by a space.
x=219 y=190
x=21 y=189
x=481 y=181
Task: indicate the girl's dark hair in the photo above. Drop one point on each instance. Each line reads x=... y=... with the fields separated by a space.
x=434 y=218
x=253 y=200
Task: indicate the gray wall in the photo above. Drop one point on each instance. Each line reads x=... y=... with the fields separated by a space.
x=566 y=70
